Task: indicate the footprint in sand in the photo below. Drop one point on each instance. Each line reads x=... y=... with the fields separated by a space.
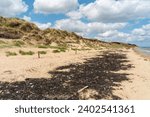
x=7 y=72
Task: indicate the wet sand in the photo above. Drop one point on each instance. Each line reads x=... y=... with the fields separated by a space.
x=118 y=74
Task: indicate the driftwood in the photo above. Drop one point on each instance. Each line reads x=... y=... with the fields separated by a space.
x=83 y=89
x=76 y=94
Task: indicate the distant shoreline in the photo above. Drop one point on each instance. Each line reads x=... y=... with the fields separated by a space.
x=142 y=54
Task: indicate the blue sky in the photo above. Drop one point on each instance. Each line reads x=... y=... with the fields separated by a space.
x=109 y=20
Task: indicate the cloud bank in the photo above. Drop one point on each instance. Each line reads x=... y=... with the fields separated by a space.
x=116 y=10
x=10 y=8
x=54 y=6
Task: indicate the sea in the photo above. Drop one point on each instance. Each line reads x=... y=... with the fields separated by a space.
x=144 y=50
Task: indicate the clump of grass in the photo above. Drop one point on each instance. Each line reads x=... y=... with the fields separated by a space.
x=42 y=52
x=19 y=43
x=5 y=46
x=8 y=53
x=115 y=46
x=2 y=42
x=56 y=51
x=59 y=50
x=26 y=53
x=62 y=49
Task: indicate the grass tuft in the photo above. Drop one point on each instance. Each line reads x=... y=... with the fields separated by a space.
x=8 y=53
x=19 y=43
x=26 y=53
x=42 y=52
x=56 y=51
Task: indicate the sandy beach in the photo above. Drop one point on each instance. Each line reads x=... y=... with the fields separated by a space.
x=138 y=86
x=18 y=68
x=93 y=74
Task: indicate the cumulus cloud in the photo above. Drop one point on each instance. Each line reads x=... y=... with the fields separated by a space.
x=71 y=25
x=40 y=25
x=114 y=35
x=54 y=6
x=9 y=8
x=116 y=10
x=27 y=18
x=97 y=27
x=142 y=33
x=74 y=15
x=43 y=25
x=87 y=29
x=144 y=30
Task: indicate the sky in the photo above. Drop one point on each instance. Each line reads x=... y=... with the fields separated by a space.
x=108 y=20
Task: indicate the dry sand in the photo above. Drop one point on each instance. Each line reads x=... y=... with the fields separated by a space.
x=18 y=68
x=138 y=86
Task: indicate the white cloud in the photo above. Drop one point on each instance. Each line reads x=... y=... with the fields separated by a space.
x=43 y=25
x=106 y=31
x=54 y=6
x=116 y=10
x=74 y=15
x=142 y=33
x=40 y=25
x=114 y=35
x=9 y=8
x=27 y=18
x=97 y=27
x=137 y=35
x=87 y=29
x=71 y=25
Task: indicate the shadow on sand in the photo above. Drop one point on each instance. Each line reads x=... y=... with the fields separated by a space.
x=93 y=79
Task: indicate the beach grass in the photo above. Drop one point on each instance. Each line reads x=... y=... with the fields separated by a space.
x=26 y=52
x=8 y=53
x=56 y=51
x=18 y=43
x=42 y=52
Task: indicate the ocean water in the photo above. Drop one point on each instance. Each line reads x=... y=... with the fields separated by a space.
x=144 y=50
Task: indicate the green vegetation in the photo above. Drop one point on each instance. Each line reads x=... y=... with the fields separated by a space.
x=19 y=43
x=116 y=46
x=42 y=52
x=18 y=33
x=2 y=42
x=60 y=48
x=56 y=51
x=26 y=53
x=5 y=46
x=8 y=53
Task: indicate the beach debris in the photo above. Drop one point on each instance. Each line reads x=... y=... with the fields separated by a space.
x=82 y=89
x=8 y=72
